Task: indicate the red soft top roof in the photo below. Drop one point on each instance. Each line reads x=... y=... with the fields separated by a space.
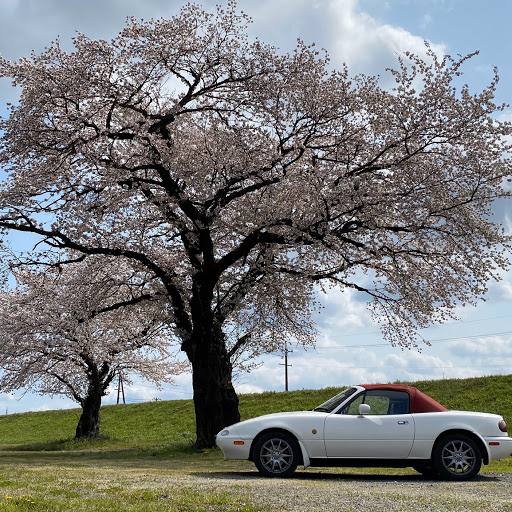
x=419 y=402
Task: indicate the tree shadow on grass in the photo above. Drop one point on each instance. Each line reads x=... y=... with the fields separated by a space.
x=58 y=445
x=182 y=454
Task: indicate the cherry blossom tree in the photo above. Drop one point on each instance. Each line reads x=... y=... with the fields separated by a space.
x=71 y=332
x=239 y=179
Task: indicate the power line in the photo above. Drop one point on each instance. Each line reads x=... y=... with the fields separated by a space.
x=407 y=369
x=460 y=322
x=439 y=340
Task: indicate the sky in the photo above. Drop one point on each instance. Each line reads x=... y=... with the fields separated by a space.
x=367 y=35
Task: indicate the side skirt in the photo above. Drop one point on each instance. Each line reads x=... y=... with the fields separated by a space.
x=333 y=462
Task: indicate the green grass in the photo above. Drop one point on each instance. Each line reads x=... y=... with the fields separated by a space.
x=64 y=483
x=145 y=459
x=158 y=425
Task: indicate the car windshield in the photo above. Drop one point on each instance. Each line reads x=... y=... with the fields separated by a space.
x=335 y=401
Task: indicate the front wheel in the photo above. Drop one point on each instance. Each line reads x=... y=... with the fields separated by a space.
x=276 y=454
x=457 y=457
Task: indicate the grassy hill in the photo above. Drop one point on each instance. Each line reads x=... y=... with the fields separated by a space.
x=165 y=423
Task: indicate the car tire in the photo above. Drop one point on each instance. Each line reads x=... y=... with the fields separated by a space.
x=457 y=457
x=276 y=454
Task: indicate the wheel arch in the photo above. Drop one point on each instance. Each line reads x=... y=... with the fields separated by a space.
x=283 y=431
x=469 y=433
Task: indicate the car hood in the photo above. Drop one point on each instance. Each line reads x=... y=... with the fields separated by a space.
x=277 y=416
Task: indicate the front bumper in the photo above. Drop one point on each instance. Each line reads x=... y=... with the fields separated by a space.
x=233 y=446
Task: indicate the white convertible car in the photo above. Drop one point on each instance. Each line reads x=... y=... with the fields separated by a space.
x=371 y=425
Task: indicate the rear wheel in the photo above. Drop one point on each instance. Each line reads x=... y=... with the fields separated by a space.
x=276 y=454
x=457 y=457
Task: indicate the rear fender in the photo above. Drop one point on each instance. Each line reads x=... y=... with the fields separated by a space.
x=486 y=454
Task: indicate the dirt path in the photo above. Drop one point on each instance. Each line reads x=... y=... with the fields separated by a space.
x=325 y=492
x=66 y=482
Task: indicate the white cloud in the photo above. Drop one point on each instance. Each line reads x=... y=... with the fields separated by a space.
x=345 y=309
x=495 y=348
x=249 y=389
x=502 y=289
x=339 y=366
x=366 y=45
x=505 y=287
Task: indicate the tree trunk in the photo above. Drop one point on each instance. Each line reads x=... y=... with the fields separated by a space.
x=215 y=399
x=89 y=422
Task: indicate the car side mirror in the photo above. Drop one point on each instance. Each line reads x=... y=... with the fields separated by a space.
x=364 y=409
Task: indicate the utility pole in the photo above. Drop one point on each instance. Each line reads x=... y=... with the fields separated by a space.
x=286 y=365
x=285 y=368
x=120 y=388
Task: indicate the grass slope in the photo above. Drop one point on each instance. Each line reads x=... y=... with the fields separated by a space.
x=163 y=423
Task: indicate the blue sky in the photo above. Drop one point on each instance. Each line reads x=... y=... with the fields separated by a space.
x=367 y=35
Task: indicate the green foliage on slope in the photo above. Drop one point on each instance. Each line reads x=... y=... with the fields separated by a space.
x=157 y=425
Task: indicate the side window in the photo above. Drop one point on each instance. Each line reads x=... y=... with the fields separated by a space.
x=353 y=407
x=382 y=402
x=378 y=402
x=399 y=402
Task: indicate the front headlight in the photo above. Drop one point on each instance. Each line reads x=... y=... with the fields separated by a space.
x=225 y=432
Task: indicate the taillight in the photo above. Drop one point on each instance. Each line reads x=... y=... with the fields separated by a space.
x=503 y=426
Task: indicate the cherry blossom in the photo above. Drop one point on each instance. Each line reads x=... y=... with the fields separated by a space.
x=235 y=180
x=73 y=331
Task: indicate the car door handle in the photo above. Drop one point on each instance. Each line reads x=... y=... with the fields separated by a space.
x=403 y=423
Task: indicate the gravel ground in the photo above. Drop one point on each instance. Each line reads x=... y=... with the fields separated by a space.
x=330 y=491
x=209 y=484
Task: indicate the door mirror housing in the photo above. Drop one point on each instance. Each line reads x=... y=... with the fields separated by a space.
x=364 y=409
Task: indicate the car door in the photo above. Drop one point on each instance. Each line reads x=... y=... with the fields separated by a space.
x=387 y=432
